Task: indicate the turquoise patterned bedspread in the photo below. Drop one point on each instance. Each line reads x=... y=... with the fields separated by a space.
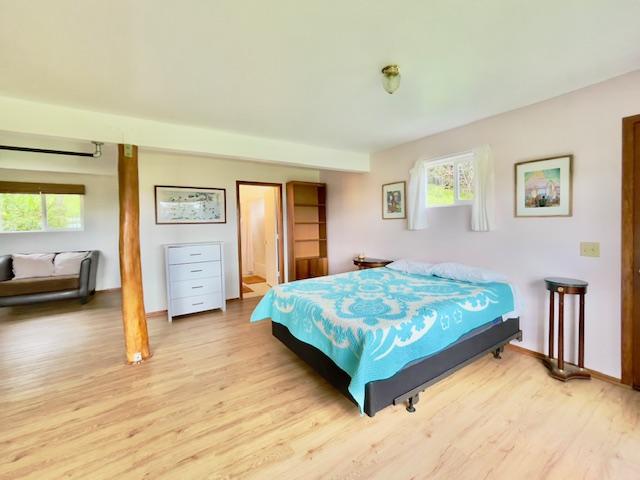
x=372 y=323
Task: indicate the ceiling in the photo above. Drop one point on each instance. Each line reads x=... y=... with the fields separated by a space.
x=308 y=71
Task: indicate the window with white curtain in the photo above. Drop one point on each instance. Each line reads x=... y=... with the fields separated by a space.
x=450 y=181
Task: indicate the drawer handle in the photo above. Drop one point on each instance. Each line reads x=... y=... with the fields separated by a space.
x=195 y=271
x=199 y=286
x=195 y=254
x=199 y=303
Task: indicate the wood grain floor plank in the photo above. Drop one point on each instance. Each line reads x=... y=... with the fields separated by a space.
x=221 y=398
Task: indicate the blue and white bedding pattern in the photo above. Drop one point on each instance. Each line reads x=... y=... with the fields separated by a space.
x=372 y=323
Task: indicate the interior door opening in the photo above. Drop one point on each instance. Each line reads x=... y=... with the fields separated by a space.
x=260 y=242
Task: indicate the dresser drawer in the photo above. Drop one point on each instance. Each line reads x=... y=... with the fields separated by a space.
x=201 y=286
x=182 y=306
x=193 y=271
x=193 y=253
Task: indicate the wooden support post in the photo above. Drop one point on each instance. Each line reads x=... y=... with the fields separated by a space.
x=136 y=337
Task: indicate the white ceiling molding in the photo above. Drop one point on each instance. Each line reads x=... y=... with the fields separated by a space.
x=27 y=117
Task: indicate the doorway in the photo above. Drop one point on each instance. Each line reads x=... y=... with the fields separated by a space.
x=260 y=238
x=631 y=251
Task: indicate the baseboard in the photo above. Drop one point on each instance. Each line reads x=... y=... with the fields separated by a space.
x=109 y=290
x=594 y=373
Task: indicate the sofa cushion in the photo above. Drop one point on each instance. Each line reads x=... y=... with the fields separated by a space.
x=26 y=286
x=32 y=265
x=68 y=263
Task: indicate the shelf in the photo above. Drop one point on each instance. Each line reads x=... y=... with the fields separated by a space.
x=307 y=218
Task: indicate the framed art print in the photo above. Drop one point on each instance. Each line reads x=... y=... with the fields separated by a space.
x=394 y=200
x=543 y=187
x=175 y=205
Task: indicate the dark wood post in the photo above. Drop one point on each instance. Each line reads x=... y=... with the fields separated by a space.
x=561 y=329
x=551 y=322
x=136 y=337
x=581 y=333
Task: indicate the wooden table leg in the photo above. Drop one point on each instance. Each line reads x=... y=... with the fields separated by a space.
x=581 y=333
x=552 y=300
x=561 y=331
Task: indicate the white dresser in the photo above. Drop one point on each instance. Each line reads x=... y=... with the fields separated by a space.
x=195 y=277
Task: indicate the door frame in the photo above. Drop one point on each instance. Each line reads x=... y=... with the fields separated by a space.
x=279 y=226
x=630 y=294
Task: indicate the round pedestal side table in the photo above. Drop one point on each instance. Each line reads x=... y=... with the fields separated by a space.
x=364 y=263
x=558 y=368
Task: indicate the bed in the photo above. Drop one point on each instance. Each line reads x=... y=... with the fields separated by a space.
x=381 y=336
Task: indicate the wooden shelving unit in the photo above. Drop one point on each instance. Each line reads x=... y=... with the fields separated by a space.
x=307 y=229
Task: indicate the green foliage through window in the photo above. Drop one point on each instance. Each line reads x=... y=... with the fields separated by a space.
x=440 y=180
x=450 y=182
x=64 y=212
x=34 y=212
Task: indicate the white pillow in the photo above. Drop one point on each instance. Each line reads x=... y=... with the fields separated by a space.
x=68 y=263
x=465 y=273
x=32 y=265
x=416 y=267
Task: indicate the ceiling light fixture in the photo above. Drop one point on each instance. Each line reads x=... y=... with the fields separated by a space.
x=391 y=78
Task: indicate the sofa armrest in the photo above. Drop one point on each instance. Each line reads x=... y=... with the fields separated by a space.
x=6 y=267
x=88 y=273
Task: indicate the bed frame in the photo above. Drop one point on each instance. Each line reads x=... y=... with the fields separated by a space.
x=406 y=385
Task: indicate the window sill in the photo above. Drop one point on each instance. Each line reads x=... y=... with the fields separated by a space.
x=459 y=204
x=44 y=231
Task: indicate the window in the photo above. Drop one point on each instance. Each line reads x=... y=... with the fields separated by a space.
x=22 y=210
x=450 y=181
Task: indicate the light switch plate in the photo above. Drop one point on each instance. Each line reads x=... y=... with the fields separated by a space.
x=590 y=249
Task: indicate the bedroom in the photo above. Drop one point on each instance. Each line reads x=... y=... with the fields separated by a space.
x=228 y=97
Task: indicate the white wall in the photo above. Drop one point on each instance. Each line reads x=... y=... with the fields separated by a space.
x=586 y=123
x=100 y=217
x=156 y=168
x=101 y=205
x=257 y=226
x=253 y=218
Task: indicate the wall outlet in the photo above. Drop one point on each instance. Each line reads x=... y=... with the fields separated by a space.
x=590 y=249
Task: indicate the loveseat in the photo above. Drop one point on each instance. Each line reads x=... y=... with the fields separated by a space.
x=21 y=291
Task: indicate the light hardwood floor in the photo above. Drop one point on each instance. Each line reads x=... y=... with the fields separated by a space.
x=222 y=399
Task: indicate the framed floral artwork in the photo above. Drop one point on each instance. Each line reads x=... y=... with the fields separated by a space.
x=394 y=200
x=543 y=187
x=190 y=205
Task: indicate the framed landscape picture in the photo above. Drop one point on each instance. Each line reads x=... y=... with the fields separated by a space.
x=394 y=200
x=190 y=205
x=543 y=187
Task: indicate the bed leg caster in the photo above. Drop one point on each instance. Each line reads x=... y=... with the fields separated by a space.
x=497 y=353
x=412 y=401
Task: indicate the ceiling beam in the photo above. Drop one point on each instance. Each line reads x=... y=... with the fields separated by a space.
x=24 y=116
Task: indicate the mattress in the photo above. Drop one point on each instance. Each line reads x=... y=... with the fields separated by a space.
x=372 y=323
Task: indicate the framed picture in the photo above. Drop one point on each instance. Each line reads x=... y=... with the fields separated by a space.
x=394 y=200
x=190 y=205
x=543 y=187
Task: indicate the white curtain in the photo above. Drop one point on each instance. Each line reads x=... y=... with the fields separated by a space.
x=417 y=198
x=482 y=210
